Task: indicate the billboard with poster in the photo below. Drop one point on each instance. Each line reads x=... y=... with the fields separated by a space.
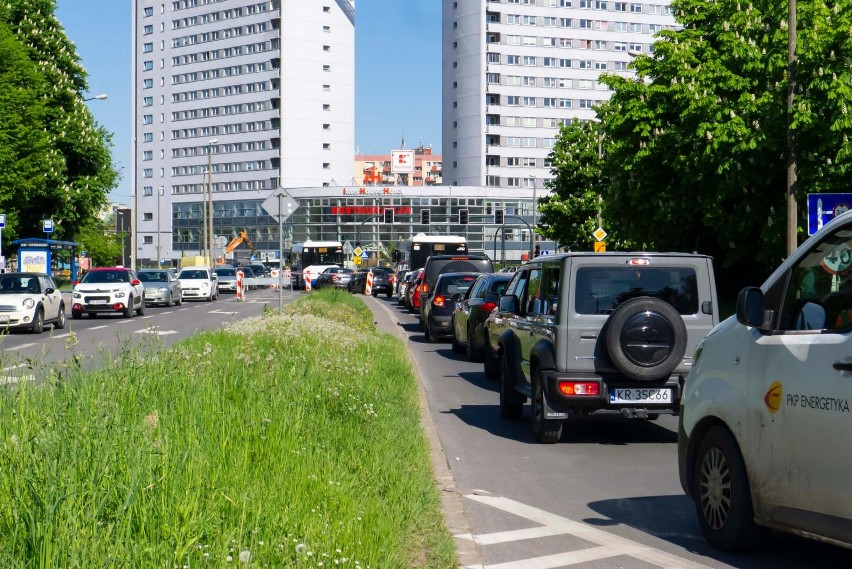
x=402 y=161
x=35 y=261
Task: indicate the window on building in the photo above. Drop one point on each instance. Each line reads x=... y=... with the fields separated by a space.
x=147 y=101
x=148 y=47
x=148 y=137
x=148 y=239
x=148 y=30
x=148 y=11
x=147 y=119
x=148 y=65
x=147 y=83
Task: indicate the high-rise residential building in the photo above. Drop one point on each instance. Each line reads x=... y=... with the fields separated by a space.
x=233 y=99
x=515 y=70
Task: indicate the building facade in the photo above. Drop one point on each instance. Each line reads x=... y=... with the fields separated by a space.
x=376 y=169
x=234 y=96
x=515 y=70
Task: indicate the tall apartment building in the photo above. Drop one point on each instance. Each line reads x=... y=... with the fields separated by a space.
x=515 y=70
x=259 y=92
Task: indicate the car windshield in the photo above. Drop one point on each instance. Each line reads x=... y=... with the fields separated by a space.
x=226 y=272
x=18 y=284
x=101 y=277
x=193 y=274
x=153 y=276
x=454 y=284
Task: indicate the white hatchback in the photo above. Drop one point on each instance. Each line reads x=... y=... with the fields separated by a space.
x=28 y=301
x=199 y=283
x=766 y=415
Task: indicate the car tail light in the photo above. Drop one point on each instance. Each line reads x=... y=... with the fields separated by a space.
x=579 y=388
x=438 y=301
x=424 y=288
x=335 y=277
x=488 y=307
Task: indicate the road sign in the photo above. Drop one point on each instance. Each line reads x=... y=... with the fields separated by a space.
x=599 y=234
x=347 y=248
x=2 y=220
x=288 y=205
x=365 y=255
x=600 y=247
x=356 y=260
x=822 y=208
x=357 y=252
x=47 y=226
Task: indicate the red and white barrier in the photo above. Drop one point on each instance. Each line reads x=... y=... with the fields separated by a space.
x=240 y=276
x=368 y=289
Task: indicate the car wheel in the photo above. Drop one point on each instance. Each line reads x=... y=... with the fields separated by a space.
x=433 y=338
x=490 y=363
x=389 y=294
x=128 y=310
x=721 y=492
x=645 y=338
x=38 y=322
x=375 y=293
x=547 y=431
x=60 y=318
x=76 y=314
x=141 y=310
x=510 y=408
x=474 y=354
x=179 y=301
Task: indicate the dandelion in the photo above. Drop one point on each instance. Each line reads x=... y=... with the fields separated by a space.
x=300 y=548
x=229 y=559
x=245 y=556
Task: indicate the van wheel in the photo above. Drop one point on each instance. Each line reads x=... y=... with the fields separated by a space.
x=722 y=494
x=547 y=431
x=510 y=408
x=474 y=354
x=490 y=363
x=457 y=347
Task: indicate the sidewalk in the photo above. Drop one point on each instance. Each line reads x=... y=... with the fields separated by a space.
x=451 y=502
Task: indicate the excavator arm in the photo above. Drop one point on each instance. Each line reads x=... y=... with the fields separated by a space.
x=236 y=242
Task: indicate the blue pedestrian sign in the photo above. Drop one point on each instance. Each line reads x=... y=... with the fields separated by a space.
x=47 y=226
x=2 y=220
x=365 y=255
x=822 y=208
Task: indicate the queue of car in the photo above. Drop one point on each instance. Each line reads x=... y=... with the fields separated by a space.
x=763 y=397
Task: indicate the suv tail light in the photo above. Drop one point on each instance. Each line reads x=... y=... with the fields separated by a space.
x=438 y=301
x=424 y=288
x=579 y=388
x=487 y=307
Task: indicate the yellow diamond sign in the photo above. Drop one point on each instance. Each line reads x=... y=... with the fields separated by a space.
x=599 y=234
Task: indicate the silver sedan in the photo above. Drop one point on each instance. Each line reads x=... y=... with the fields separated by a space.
x=161 y=286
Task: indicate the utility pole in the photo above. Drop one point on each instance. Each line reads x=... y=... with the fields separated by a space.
x=792 y=214
x=209 y=243
x=160 y=192
x=532 y=231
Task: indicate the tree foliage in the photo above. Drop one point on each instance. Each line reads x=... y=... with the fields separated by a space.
x=696 y=143
x=75 y=167
x=100 y=241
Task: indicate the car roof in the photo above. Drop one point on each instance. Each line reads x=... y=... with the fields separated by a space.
x=98 y=269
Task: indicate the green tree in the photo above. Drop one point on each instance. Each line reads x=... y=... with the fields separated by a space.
x=80 y=173
x=100 y=241
x=25 y=151
x=569 y=215
x=696 y=143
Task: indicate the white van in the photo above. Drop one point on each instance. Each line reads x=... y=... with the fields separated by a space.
x=766 y=415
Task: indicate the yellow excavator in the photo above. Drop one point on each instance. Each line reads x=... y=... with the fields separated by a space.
x=236 y=242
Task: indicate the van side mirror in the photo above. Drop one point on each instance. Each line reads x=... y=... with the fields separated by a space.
x=750 y=308
x=508 y=304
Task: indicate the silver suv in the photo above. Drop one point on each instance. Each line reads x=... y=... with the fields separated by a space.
x=581 y=332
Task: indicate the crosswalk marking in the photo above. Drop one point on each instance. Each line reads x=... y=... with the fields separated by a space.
x=609 y=545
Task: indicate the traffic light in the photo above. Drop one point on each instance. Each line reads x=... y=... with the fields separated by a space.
x=537 y=250
x=498 y=217
x=424 y=216
x=388 y=215
x=463 y=217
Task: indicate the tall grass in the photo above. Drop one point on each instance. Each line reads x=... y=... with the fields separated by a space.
x=287 y=440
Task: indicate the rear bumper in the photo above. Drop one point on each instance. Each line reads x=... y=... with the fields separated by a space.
x=562 y=406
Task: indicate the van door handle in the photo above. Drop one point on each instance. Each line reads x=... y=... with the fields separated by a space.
x=841 y=366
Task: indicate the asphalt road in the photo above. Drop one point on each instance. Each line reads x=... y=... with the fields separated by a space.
x=29 y=357
x=606 y=496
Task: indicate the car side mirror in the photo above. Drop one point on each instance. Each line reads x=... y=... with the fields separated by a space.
x=136 y=282
x=750 y=307
x=508 y=303
x=49 y=290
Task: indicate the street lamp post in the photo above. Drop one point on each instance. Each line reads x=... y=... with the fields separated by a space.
x=101 y=97
x=160 y=191
x=532 y=233
x=792 y=213
x=209 y=243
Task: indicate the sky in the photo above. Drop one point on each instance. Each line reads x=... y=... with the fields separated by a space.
x=397 y=73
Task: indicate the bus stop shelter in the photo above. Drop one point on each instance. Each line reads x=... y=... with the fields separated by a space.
x=35 y=254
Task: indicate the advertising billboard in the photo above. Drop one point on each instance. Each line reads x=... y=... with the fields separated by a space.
x=402 y=161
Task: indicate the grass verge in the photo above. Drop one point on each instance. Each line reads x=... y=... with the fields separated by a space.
x=287 y=440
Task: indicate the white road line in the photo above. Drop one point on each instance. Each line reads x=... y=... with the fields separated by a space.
x=564 y=559
x=155 y=330
x=147 y=317
x=11 y=379
x=622 y=546
x=98 y=327
x=57 y=336
x=10 y=368
x=22 y=346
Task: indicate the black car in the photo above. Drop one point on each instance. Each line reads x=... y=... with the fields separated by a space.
x=468 y=321
x=381 y=281
x=439 y=264
x=439 y=306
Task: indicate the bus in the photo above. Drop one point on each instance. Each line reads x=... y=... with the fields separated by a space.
x=416 y=249
x=310 y=253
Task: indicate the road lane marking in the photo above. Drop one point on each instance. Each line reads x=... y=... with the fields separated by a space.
x=155 y=330
x=10 y=368
x=57 y=336
x=551 y=524
x=22 y=346
x=151 y=316
x=98 y=327
x=12 y=379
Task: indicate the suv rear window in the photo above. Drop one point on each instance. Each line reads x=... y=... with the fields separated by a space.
x=450 y=285
x=435 y=267
x=601 y=290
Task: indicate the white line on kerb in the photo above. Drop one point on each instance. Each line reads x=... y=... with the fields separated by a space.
x=98 y=327
x=610 y=545
x=58 y=336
